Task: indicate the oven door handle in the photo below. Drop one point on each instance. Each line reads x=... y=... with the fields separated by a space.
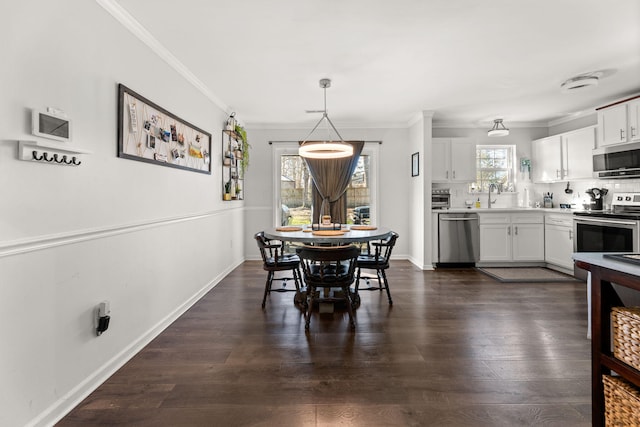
x=605 y=221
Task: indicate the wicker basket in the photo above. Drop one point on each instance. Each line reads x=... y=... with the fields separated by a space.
x=626 y=335
x=621 y=402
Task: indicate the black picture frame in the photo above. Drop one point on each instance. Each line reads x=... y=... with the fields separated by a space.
x=415 y=164
x=145 y=134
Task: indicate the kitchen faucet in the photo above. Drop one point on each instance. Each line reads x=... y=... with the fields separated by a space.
x=492 y=186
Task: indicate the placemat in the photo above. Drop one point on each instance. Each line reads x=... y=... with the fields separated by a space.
x=364 y=227
x=289 y=228
x=328 y=233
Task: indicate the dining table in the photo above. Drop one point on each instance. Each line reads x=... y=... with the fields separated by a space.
x=346 y=234
x=318 y=236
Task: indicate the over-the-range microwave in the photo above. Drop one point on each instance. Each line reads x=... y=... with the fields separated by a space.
x=617 y=161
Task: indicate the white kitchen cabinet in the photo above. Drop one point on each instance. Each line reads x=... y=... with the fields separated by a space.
x=577 y=160
x=515 y=237
x=564 y=156
x=454 y=160
x=495 y=242
x=633 y=114
x=547 y=159
x=558 y=240
x=618 y=123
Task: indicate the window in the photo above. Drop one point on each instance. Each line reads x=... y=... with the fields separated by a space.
x=494 y=165
x=293 y=188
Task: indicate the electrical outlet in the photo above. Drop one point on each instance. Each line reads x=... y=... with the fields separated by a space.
x=104 y=317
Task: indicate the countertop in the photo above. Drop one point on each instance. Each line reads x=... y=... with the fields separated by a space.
x=503 y=210
x=597 y=258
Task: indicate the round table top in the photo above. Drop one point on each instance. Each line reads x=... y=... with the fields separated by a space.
x=349 y=236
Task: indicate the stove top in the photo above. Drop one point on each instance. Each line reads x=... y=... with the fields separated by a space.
x=624 y=206
x=610 y=214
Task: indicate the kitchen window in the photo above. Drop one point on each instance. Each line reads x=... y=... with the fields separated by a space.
x=494 y=165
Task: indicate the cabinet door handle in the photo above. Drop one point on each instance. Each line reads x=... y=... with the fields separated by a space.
x=557 y=173
x=633 y=132
x=570 y=234
x=516 y=230
x=508 y=230
x=454 y=174
x=621 y=134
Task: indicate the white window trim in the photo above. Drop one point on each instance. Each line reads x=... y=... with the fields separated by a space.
x=279 y=149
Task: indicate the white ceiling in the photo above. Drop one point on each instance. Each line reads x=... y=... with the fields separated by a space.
x=469 y=61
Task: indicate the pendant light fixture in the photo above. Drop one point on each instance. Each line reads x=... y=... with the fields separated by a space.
x=498 y=129
x=326 y=149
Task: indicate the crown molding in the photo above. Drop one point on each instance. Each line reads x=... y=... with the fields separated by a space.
x=571 y=117
x=134 y=26
x=468 y=125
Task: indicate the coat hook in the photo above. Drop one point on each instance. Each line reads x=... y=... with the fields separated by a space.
x=55 y=158
x=66 y=161
x=35 y=156
x=45 y=156
x=63 y=159
x=73 y=160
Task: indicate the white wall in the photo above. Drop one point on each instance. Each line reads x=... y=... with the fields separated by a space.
x=394 y=179
x=149 y=239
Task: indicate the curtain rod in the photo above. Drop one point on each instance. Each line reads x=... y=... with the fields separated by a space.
x=289 y=142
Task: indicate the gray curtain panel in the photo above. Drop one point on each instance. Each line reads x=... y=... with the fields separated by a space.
x=331 y=178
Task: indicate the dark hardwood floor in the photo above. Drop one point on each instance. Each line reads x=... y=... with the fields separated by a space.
x=456 y=349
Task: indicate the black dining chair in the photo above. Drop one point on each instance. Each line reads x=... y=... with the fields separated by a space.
x=378 y=260
x=274 y=259
x=326 y=267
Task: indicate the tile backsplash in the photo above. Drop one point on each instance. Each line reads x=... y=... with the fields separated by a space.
x=460 y=193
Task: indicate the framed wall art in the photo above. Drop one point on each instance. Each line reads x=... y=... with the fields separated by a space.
x=151 y=134
x=415 y=164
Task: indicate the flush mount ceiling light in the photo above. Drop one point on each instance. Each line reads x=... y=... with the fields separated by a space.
x=579 y=82
x=498 y=129
x=327 y=149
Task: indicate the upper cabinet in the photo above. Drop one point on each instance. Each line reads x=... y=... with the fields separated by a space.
x=618 y=123
x=577 y=161
x=547 y=159
x=564 y=157
x=454 y=160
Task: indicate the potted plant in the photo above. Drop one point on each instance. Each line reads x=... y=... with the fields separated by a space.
x=227 y=191
x=238 y=190
x=243 y=148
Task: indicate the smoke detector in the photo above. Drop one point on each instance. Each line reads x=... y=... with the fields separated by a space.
x=579 y=82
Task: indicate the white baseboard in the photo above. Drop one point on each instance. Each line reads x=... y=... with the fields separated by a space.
x=66 y=403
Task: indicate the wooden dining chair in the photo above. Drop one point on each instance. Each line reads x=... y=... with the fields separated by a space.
x=274 y=259
x=376 y=259
x=326 y=267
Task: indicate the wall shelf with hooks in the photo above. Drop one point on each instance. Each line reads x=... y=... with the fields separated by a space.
x=48 y=152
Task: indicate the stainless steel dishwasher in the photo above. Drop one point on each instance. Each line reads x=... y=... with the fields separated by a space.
x=458 y=238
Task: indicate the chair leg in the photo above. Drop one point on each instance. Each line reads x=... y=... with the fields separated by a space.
x=386 y=286
x=297 y=279
x=267 y=287
x=358 y=280
x=379 y=279
x=352 y=323
x=307 y=319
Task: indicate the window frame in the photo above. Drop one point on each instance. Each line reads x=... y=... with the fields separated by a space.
x=370 y=149
x=510 y=169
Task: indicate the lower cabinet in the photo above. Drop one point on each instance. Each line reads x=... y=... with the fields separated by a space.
x=511 y=237
x=558 y=235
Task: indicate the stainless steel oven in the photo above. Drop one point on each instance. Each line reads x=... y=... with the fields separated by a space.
x=599 y=234
x=617 y=230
